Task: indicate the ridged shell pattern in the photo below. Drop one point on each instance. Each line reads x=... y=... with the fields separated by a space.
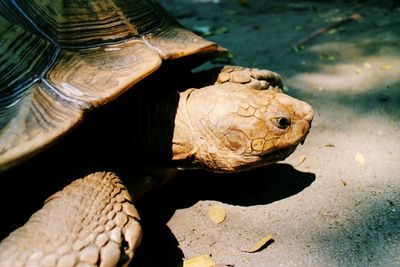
x=61 y=58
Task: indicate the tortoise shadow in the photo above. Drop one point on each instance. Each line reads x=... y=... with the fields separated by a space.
x=257 y=187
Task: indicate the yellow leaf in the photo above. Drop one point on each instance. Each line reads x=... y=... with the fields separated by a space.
x=386 y=67
x=217 y=214
x=203 y=260
x=359 y=158
x=367 y=65
x=301 y=160
x=260 y=244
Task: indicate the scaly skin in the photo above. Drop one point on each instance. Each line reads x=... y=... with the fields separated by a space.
x=232 y=125
x=91 y=221
x=243 y=125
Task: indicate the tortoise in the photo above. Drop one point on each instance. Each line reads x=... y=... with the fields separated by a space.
x=61 y=59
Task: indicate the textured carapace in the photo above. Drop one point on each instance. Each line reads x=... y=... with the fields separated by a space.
x=60 y=58
x=244 y=125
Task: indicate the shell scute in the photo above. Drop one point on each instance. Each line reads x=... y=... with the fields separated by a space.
x=61 y=58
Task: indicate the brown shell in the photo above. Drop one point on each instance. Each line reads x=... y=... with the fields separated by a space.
x=60 y=58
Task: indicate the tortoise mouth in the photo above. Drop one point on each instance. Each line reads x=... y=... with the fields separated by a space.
x=267 y=159
x=278 y=155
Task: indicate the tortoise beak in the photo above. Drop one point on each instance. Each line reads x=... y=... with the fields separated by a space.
x=308 y=113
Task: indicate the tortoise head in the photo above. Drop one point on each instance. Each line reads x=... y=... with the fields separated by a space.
x=231 y=127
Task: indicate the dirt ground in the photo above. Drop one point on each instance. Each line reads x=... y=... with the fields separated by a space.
x=336 y=200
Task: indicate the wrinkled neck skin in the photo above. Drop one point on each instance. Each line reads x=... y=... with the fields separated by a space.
x=184 y=143
x=163 y=132
x=152 y=123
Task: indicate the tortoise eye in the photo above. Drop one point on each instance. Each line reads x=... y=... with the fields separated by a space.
x=281 y=122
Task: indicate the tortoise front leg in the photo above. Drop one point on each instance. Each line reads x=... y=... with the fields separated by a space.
x=256 y=78
x=92 y=221
x=251 y=77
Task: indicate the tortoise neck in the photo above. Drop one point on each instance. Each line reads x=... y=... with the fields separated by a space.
x=183 y=144
x=152 y=125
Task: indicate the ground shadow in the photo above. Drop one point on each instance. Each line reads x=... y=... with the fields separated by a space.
x=258 y=187
x=370 y=234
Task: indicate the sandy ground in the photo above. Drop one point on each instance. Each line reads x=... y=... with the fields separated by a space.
x=333 y=209
x=334 y=202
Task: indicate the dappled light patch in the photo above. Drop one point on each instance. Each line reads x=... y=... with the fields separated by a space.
x=360 y=74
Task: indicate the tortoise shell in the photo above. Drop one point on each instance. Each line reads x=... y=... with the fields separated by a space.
x=61 y=58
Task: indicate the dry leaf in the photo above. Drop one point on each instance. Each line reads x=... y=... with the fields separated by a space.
x=260 y=244
x=330 y=145
x=359 y=158
x=299 y=27
x=204 y=30
x=301 y=160
x=217 y=214
x=203 y=260
x=333 y=31
x=330 y=58
x=386 y=67
x=221 y=30
x=367 y=65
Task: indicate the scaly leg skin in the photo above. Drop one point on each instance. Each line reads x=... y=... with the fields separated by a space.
x=254 y=78
x=91 y=221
